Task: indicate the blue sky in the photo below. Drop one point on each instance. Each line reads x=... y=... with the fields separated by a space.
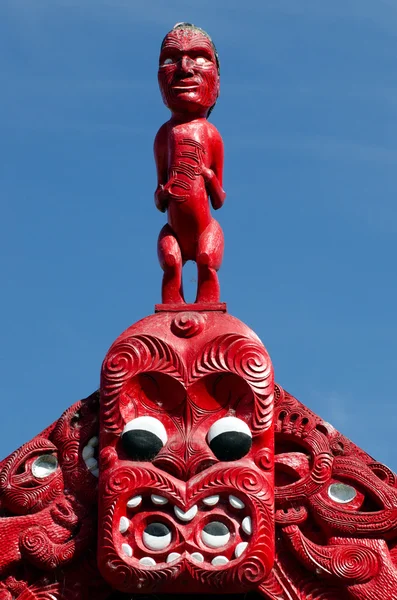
x=308 y=113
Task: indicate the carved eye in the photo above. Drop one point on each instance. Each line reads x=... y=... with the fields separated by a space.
x=156 y=536
x=143 y=438
x=44 y=466
x=200 y=60
x=167 y=61
x=215 y=534
x=229 y=438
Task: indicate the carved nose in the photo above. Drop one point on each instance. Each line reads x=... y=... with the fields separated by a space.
x=186 y=64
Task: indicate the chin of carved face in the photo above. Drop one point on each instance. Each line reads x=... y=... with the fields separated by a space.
x=188 y=74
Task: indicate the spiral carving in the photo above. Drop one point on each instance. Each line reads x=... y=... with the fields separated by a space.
x=322 y=468
x=354 y=563
x=264 y=459
x=253 y=570
x=36 y=546
x=187 y=324
x=249 y=360
x=138 y=354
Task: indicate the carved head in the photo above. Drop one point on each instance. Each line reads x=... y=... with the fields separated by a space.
x=186 y=459
x=188 y=70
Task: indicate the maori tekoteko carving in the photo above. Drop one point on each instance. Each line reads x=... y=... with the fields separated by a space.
x=189 y=159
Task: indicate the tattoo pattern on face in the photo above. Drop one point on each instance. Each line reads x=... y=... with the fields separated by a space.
x=188 y=71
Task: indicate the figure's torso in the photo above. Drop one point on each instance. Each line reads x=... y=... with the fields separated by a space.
x=188 y=151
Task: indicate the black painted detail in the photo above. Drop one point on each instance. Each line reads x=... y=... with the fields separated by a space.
x=231 y=445
x=140 y=444
x=157 y=529
x=216 y=528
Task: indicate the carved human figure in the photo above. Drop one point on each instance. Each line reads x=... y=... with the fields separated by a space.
x=189 y=159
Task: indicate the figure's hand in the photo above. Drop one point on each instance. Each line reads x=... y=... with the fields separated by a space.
x=208 y=174
x=161 y=198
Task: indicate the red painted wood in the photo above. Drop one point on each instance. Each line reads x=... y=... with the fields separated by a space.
x=188 y=151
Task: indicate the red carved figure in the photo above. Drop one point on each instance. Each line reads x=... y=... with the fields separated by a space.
x=189 y=159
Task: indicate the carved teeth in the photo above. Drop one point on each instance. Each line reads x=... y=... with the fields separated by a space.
x=95 y=472
x=236 y=502
x=88 y=452
x=124 y=524
x=134 y=502
x=211 y=500
x=240 y=549
x=91 y=463
x=247 y=525
x=197 y=556
x=172 y=556
x=219 y=560
x=159 y=500
x=186 y=516
x=147 y=561
x=93 y=442
x=126 y=548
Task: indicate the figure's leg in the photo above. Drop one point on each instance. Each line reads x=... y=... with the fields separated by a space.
x=209 y=259
x=170 y=258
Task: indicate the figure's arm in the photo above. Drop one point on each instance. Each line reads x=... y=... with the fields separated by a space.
x=214 y=177
x=161 y=158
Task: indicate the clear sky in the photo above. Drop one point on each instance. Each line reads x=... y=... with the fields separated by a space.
x=308 y=113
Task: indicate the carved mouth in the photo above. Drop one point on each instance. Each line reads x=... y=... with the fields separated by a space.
x=151 y=530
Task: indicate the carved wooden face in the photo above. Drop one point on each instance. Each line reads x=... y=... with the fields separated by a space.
x=188 y=72
x=186 y=462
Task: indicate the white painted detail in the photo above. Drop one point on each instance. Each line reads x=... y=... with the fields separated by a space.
x=247 y=525
x=240 y=548
x=236 y=502
x=197 y=556
x=124 y=524
x=215 y=541
x=88 y=452
x=95 y=472
x=211 y=500
x=147 y=424
x=93 y=442
x=147 y=561
x=126 y=548
x=134 y=502
x=154 y=542
x=186 y=516
x=91 y=463
x=219 y=560
x=159 y=500
x=228 y=424
x=172 y=556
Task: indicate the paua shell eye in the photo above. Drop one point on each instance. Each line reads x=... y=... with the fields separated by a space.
x=229 y=438
x=143 y=438
x=44 y=466
x=167 y=61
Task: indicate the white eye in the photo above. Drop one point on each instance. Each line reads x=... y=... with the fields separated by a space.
x=341 y=493
x=215 y=534
x=44 y=465
x=167 y=61
x=143 y=438
x=156 y=536
x=200 y=60
x=229 y=438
